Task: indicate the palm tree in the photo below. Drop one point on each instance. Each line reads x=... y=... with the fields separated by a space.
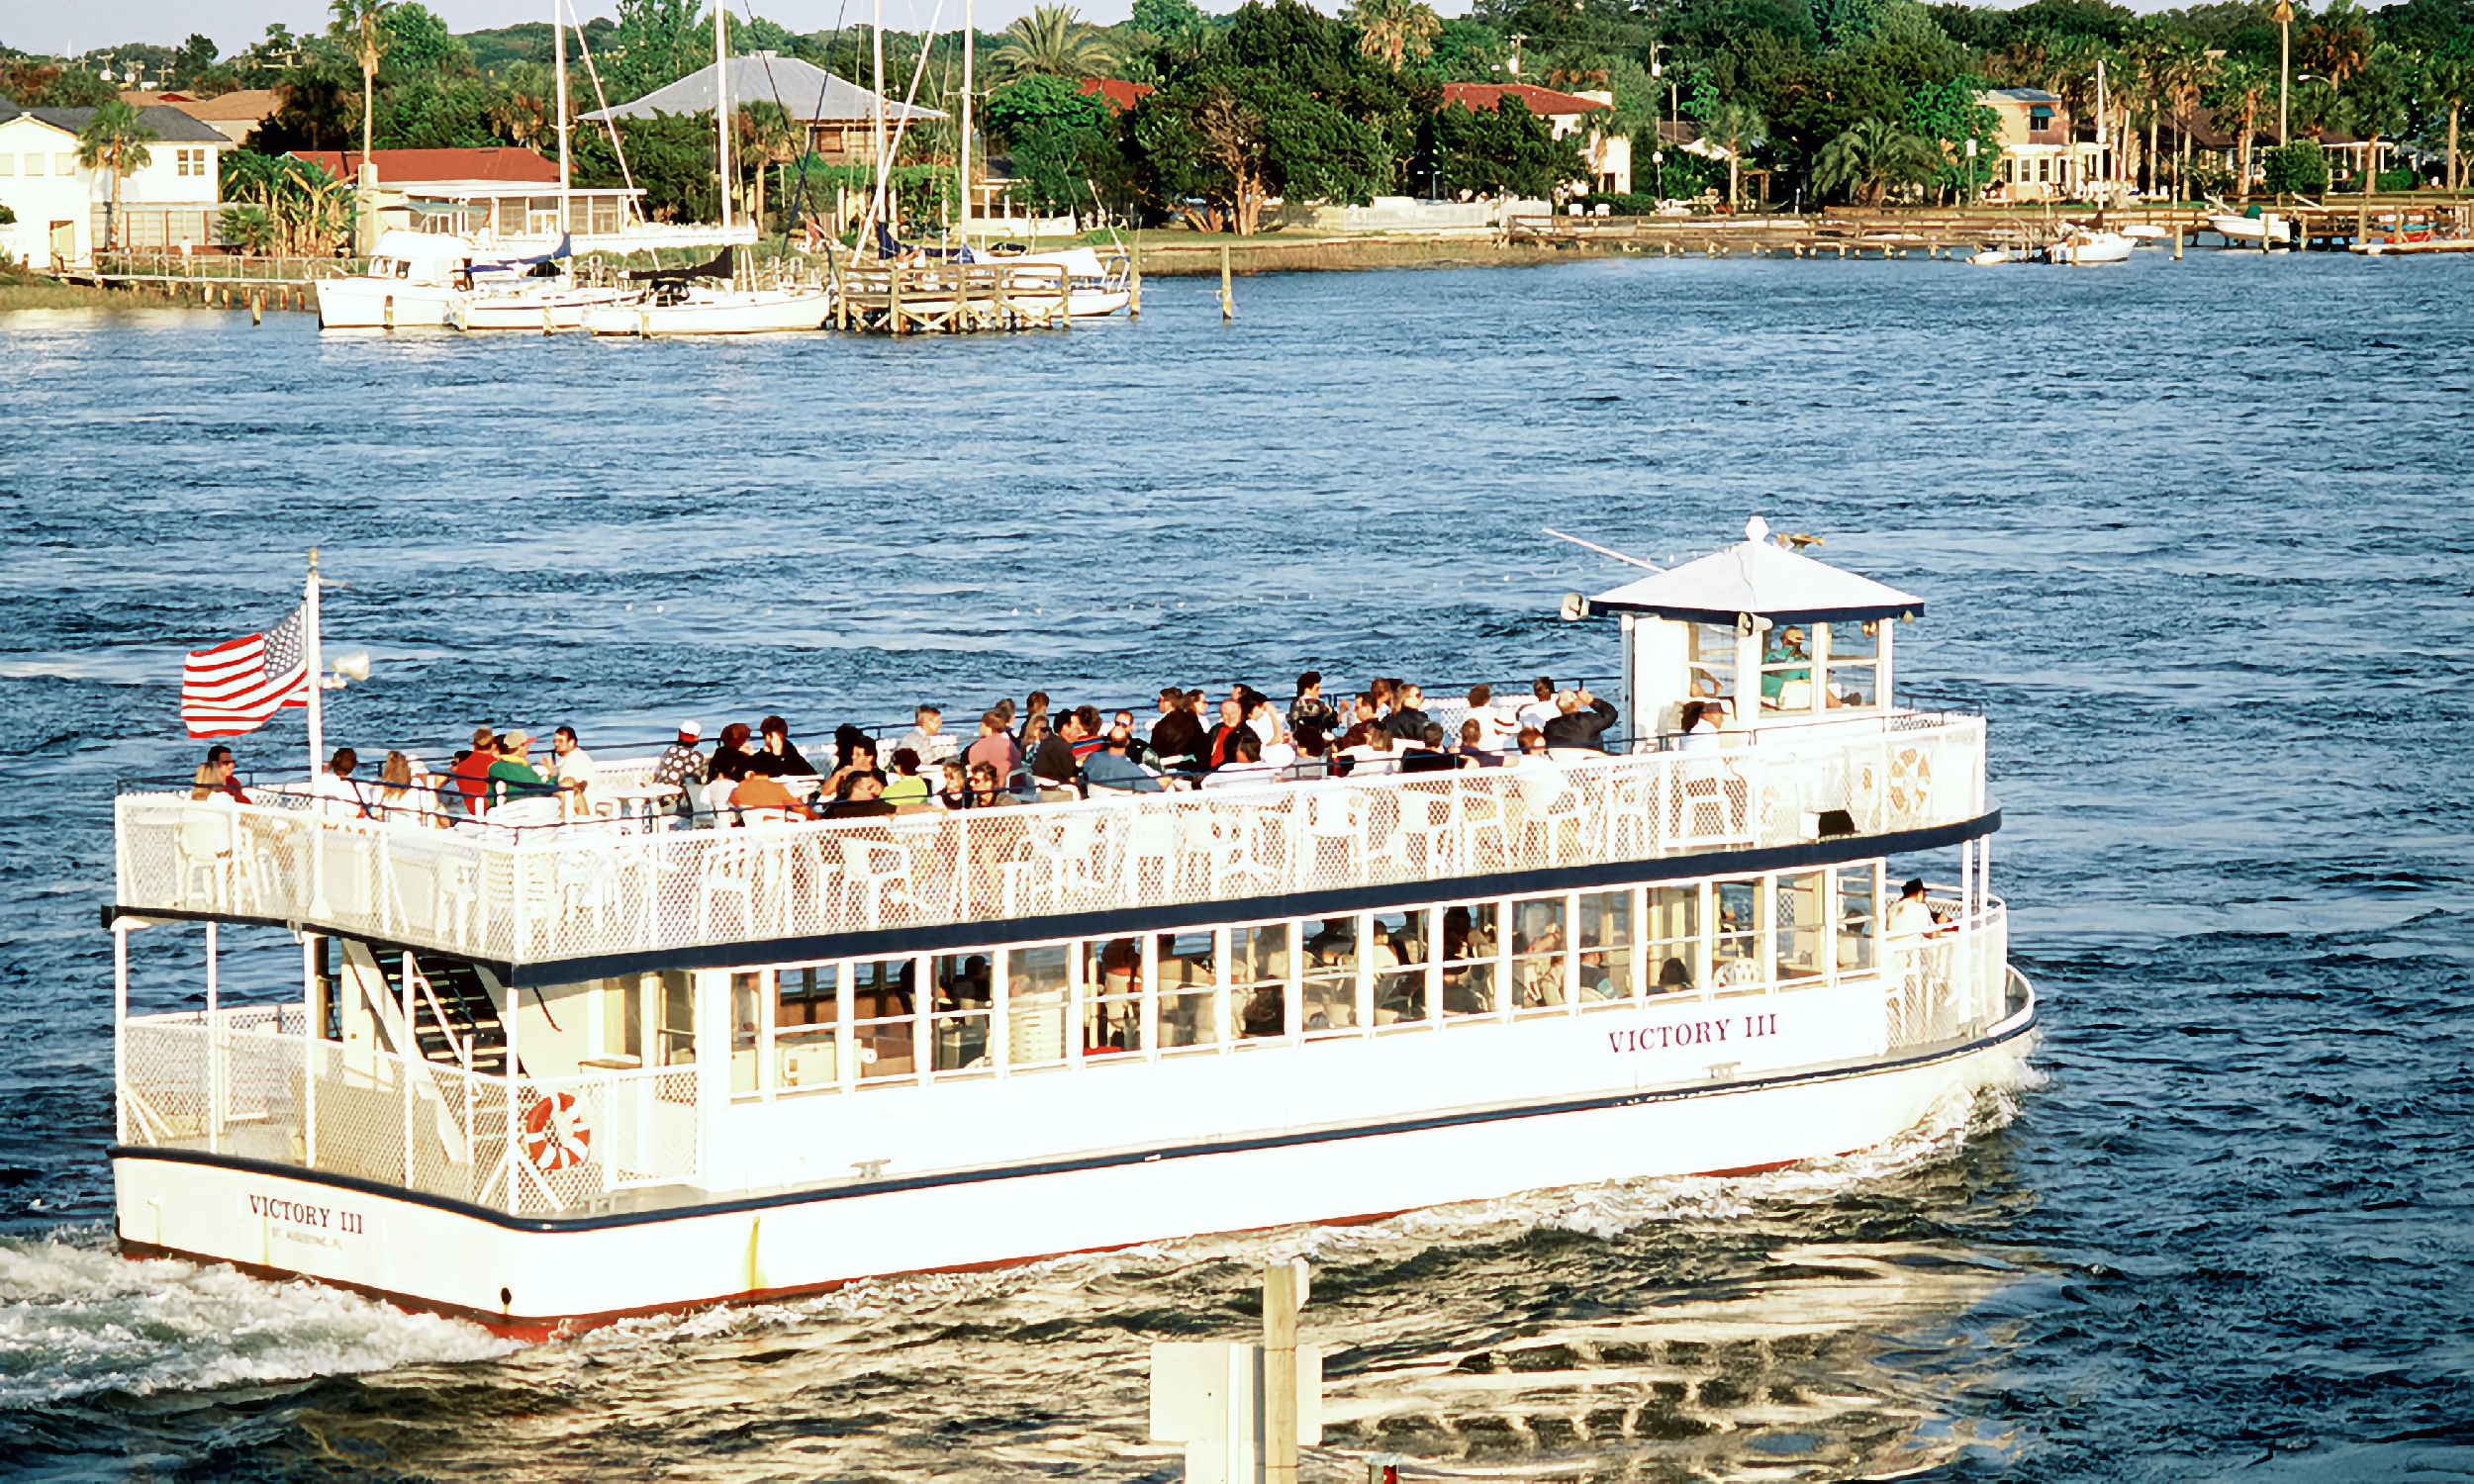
x=2241 y=94
x=1394 y=30
x=1052 y=41
x=361 y=26
x=1733 y=127
x=526 y=106
x=2452 y=84
x=114 y=139
x=1872 y=158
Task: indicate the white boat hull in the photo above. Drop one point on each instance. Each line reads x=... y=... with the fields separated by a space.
x=2099 y=247
x=764 y=312
x=2251 y=228
x=529 y=1275
x=382 y=304
x=540 y=314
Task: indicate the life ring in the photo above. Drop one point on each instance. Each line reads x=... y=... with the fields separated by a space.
x=555 y=1136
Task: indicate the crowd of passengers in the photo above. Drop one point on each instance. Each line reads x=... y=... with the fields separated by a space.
x=1031 y=753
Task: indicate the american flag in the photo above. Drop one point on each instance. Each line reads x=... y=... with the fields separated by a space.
x=239 y=687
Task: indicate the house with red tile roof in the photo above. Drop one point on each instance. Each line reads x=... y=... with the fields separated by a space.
x=1608 y=153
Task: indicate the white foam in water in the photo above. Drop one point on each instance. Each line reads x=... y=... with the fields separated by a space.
x=78 y=1318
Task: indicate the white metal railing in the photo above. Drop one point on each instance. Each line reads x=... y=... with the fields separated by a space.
x=250 y=1085
x=609 y=886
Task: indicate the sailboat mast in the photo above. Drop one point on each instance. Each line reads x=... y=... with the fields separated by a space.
x=968 y=40
x=721 y=106
x=559 y=55
x=876 y=28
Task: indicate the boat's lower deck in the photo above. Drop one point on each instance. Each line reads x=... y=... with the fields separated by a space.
x=530 y=1274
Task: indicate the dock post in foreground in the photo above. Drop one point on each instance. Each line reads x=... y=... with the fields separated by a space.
x=1228 y=295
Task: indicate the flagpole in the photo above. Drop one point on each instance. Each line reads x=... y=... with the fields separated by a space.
x=309 y=661
x=317 y=669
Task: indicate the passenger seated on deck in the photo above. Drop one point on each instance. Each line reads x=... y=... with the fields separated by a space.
x=956 y=794
x=1366 y=715
x=513 y=776
x=1373 y=757
x=775 y=757
x=1474 y=751
x=986 y=791
x=1053 y=768
x=1408 y=720
x=338 y=792
x=1674 y=974
x=1245 y=767
x=1533 y=750
x=907 y=791
x=1112 y=770
x=859 y=760
x=1426 y=755
x=859 y=800
x=760 y=799
x=729 y=758
x=995 y=750
x=1220 y=746
x=681 y=763
x=215 y=776
x=472 y=771
x=1176 y=737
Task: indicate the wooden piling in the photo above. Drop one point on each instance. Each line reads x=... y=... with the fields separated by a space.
x=1228 y=290
x=1281 y=1282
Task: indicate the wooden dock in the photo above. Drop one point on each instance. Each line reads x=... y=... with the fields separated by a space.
x=1839 y=232
x=939 y=298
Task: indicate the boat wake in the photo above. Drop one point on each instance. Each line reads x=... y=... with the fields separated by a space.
x=77 y=1318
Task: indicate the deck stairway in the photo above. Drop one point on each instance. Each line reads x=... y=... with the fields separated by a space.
x=471 y=1014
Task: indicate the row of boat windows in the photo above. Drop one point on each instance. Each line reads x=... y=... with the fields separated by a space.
x=862 y=1023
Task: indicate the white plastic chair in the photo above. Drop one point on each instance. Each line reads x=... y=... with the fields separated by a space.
x=879 y=871
x=210 y=850
x=728 y=869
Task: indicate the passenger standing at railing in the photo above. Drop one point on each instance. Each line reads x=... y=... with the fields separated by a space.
x=1174 y=737
x=1495 y=730
x=1543 y=709
x=1408 y=720
x=1310 y=708
x=472 y=771
x=1578 y=727
x=397 y=796
x=927 y=738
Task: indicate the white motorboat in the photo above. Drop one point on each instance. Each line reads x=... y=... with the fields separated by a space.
x=2142 y=231
x=2238 y=230
x=413 y=281
x=545 y=1074
x=1097 y=286
x=1990 y=256
x=2083 y=247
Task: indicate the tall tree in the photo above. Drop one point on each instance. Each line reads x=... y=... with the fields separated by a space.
x=2240 y=93
x=114 y=139
x=1874 y=156
x=2453 y=84
x=656 y=42
x=1053 y=41
x=361 y=26
x=1735 y=127
x=1395 y=31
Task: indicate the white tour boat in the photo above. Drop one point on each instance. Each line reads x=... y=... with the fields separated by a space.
x=549 y=1076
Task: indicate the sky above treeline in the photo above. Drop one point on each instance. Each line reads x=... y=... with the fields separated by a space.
x=73 y=29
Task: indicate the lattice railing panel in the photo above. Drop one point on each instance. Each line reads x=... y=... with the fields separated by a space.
x=558 y=891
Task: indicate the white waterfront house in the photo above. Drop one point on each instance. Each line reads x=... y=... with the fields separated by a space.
x=63 y=209
x=560 y=1061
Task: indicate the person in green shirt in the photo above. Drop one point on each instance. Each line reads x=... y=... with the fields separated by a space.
x=513 y=776
x=1785 y=644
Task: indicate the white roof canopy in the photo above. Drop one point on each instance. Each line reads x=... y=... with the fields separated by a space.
x=806 y=92
x=1758 y=577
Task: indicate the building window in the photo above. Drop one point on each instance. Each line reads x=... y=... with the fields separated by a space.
x=64 y=164
x=8 y=164
x=33 y=165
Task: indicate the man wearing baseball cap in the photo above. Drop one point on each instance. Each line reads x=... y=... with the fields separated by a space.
x=681 y=765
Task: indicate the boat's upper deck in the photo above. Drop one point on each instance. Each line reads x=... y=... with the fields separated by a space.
x=594 y=895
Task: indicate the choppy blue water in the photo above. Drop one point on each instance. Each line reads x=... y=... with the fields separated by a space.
x=2194 y=535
